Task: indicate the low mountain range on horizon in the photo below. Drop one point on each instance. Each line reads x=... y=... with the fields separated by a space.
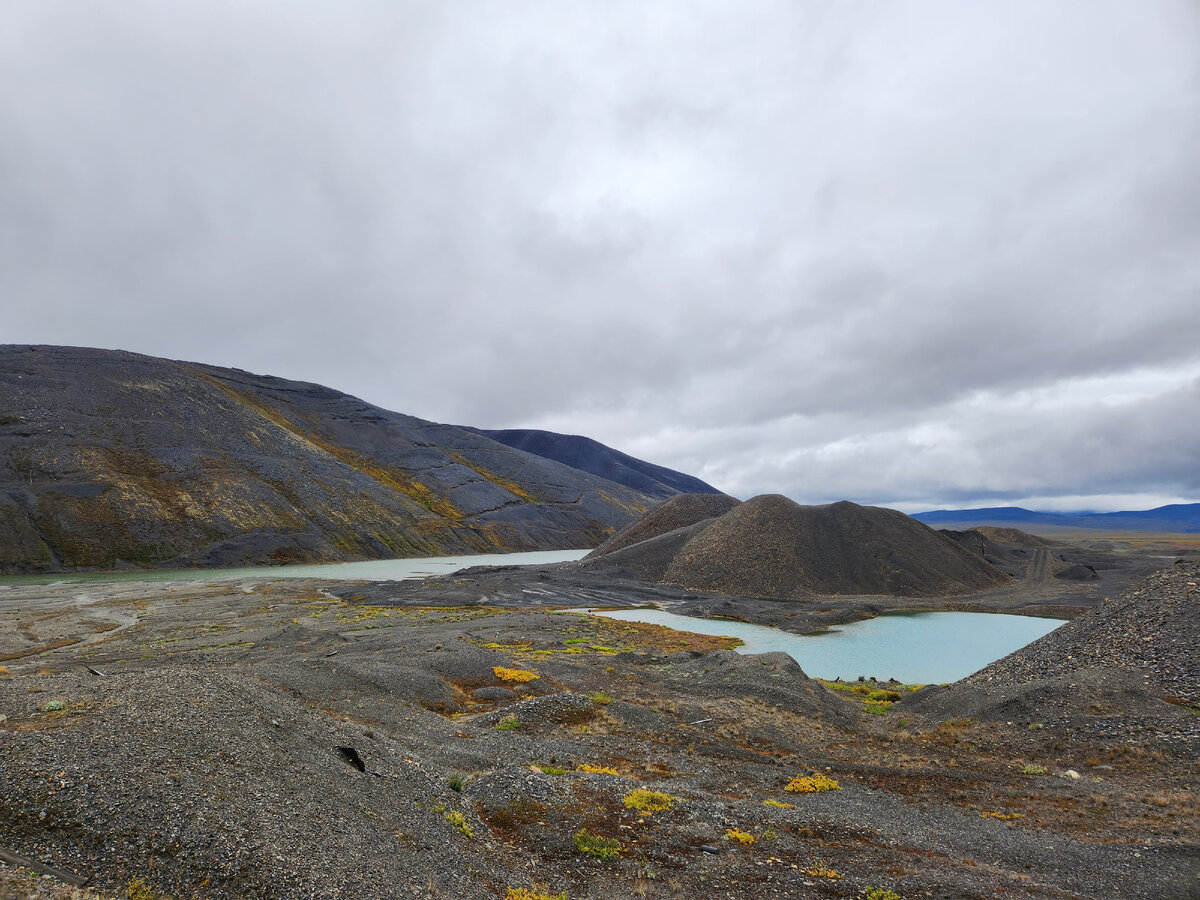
x=1177 y=518
x=110 y=459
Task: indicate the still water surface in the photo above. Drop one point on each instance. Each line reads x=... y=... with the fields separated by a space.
x=373 y=570
x=922 y=648
x=918 y=647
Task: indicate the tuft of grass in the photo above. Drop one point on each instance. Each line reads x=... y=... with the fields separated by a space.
x=596 y=845
x=1033 y=769
x=812 y=784
x=600 y=697
x=819 y=869
x=742 y=837
x=508 y=723
x=514 y=676
x=459 y=821
x=597 y=770
x=515 y=893
x=878 y=893
x=137 y=889
x=882 y=695
x=553 y=771
x=779 y=803
x=1005 y=817
x=456 y=782
x=649 y=802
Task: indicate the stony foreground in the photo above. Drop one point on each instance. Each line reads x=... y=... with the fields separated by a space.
x=268 y=739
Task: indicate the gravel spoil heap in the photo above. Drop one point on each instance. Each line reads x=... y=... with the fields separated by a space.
x=1153 y=629
x=772 y=547
x=678 y=512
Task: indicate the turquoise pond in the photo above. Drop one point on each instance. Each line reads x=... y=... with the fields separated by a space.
x=922 y=648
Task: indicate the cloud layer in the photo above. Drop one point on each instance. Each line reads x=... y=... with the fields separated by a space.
x=912 y=254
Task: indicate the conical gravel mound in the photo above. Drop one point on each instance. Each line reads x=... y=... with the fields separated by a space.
x=772 y=547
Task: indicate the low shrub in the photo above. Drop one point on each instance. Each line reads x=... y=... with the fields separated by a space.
x=459 y=821
x=596 y=845
x=742 y=837
x=515 y=893
x=1033 y=769
x=877 y=893
x=597 y=770
x=514 y=676
x=779 y=803
x=649 y=802
x=508 y=723
x=812 y=784
x=819 y=869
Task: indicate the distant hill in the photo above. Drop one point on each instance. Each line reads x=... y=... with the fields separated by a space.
x=770 y=546
x=1178 y=517
x=112 y=459
x=588 y=455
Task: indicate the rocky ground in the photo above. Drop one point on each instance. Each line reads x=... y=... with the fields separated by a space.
x=456 y=738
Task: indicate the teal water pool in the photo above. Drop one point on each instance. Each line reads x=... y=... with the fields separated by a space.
x=922 y=648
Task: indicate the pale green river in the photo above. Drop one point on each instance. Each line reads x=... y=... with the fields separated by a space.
x=373 y=570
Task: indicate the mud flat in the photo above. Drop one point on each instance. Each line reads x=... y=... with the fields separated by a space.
x=456 y=738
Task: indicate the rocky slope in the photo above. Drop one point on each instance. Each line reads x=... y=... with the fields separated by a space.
x=771 y=547
x=1127 y=669
x=591 y=456
x=257 y=738
x=110 y=458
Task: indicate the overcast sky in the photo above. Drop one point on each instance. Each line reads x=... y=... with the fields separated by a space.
x=917 y=254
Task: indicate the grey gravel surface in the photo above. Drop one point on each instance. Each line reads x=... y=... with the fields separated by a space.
x=203 y=738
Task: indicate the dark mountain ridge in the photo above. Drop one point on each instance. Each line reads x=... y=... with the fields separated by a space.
x=591 y=456
x=109 y=458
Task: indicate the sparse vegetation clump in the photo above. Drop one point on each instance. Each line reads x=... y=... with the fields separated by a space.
x=137 y=889
x=819 y=869
x=741 y=837
x=600 y=697
x=812 y=784
x=779 y=803
x=597 y=770
x=459 y=821
x=878 y=893
x=515 y=893
x=1033 y=769
x=596 y=845
x=514 y=676
x=508 y=723
x=644 y=801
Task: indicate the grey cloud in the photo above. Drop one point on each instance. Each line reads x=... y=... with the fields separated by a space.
x=765 y=243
